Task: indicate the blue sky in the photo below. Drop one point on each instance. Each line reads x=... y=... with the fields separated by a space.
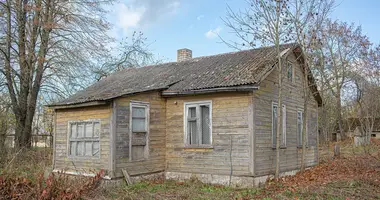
x=173 y=24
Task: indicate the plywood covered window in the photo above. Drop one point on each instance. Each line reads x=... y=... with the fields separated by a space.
x=84 y=139
x=300 y=117
x=198 y=123
x=274 y=125
x=139 y=130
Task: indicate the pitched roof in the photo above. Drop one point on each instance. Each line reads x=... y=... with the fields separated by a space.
x=223 y=70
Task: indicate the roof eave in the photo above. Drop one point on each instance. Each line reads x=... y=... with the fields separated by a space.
x=78 y=105
x=241 y=88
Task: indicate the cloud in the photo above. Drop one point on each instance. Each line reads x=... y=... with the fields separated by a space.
x=213 y=33
x=200 y=17
x=129 y=17
x=138 y=14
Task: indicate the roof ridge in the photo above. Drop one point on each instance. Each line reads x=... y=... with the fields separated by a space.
x=220 y=54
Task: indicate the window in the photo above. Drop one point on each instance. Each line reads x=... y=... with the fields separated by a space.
x=274 y=125
x=283 y=138
x=198 y=123
x=290 y=71
x=300 y=128
x=84 y=139
x=138 y=119
x=139 y=131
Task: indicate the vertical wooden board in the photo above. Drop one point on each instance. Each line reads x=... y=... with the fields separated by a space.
x=293 y=99
x=155 y=157
x=230 y=113
x=61 y=159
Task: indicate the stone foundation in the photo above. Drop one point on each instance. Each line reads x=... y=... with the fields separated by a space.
x=236 y=181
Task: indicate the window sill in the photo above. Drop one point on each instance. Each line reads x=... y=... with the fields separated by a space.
x=198 y=147
x=281 y=147
x=136 y=161
x=83 y=158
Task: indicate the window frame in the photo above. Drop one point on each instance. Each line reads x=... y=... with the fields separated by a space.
x=197 y=105
x=93 y=121
x=287 y=71
x=139 y=104
x=299 y=138
x=284 y=123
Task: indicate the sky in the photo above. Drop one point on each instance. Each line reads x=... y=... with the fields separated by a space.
x=170 y=25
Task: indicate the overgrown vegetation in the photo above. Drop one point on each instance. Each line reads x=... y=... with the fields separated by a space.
x=26 y=174
x=355 y=175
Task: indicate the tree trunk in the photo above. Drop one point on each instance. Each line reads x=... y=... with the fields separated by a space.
x=3 y=134
x=304 y=118
x=279 y=98
x=339 y=116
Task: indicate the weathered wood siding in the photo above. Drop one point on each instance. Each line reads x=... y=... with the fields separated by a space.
x=265 y=155
x=156 y=158
x=229 y=121
x=89 y=165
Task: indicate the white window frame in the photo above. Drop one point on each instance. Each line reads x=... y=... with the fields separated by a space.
x=196 y=104
x=299 y=138
x=69 y=139
x=284 y=119
x=139 y=104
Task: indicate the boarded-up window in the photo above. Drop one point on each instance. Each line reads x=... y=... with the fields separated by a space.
x=198 y=123
x=84 y=139
x=274 y=125
x=139 y=130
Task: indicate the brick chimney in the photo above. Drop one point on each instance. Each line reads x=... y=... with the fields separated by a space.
x=184 y=54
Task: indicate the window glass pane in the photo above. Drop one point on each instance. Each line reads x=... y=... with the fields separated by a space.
x=299 y=127
x=192 y=112
x=73 y=148
x=80 y=148
x=88 y=149
x=96 y=149
x=80 y=130
x=88 y=130
x=138 y=125
x=274 y=124
x=192 y=131
x=73 y=130
x=290 y=71
x=206 y=126
x=138 y=112
x=96 y=129
x=283 y=138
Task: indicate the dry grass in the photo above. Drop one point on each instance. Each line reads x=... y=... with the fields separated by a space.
x=355 y=175
x=26 y=174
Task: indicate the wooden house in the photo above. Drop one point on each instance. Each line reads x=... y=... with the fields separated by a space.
x=212 y=117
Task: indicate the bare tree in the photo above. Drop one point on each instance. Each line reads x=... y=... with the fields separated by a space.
x=307 y=18
x=263 y=22
x=41 y=39
x=6 y=121
x=341 y=47
x=366 y=76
